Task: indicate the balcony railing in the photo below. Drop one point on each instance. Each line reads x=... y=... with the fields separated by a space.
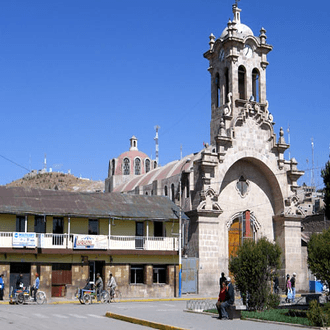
x=87 y=242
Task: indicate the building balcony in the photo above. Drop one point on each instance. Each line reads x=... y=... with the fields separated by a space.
x=17 y=240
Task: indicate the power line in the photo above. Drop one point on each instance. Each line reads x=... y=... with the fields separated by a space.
x=11 y=161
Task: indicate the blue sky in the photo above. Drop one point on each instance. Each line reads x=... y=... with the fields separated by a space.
x=79 y=78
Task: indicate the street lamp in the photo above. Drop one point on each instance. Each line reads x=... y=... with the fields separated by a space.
x=180 y=227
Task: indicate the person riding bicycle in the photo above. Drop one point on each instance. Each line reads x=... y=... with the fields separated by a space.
x=35 y=287
x=99 y=285
x=112 y=285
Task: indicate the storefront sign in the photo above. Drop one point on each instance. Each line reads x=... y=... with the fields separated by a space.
x=90 y=242
x=21 y=240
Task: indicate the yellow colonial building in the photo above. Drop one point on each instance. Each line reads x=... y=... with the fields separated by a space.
x=70 y=237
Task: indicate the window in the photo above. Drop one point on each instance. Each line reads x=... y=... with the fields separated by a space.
x=165 y=191
x=137 y=166
x=39 y=224
x=242 y=186
x=147 y=165
x=20 y=224
x=126 y=166
x=58 y=230
x=155 y=164
x=93 y=227
x=255 y=85
x=113 y=167
x=217 y=85
x=241 y=82
x=172 y=192
x=187 y=188
x=158 y=229
x=137 y=274
x=159 y=274
x=226 y=85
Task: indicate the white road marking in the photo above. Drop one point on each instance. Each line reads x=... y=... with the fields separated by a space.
x=96 y=316
x=61 y=316
x=41 y=316
x=78 y=316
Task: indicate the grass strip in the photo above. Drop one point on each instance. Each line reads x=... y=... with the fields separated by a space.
x=276 y=315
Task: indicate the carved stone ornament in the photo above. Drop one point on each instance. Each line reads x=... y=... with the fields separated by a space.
x=292 y=207
x=209 y=201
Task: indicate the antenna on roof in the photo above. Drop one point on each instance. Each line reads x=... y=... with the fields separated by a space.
x=157 y=146
x=288 y=130
x=45 y=163
x=312 y=172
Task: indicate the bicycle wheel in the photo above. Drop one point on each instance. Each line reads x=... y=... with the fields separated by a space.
x=104 y=297
x=20 y=298
x=87 y=299
x=41 y=297
x=117 y=296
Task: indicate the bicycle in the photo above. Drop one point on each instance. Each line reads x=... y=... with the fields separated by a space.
x=23 y=296
x=117 y=296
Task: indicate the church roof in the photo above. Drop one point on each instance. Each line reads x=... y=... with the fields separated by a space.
x=160 y=173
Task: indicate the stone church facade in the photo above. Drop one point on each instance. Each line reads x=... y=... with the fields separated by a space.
x=239 y=186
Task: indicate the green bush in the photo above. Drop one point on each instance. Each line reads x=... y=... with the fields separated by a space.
x=272 y=300
x=317 y=315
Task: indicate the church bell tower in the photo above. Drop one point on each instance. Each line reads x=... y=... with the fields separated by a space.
x=237 y=64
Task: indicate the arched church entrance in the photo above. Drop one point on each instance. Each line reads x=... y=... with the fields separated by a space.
x=242 y=227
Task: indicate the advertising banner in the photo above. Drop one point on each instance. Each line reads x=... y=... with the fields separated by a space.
x=90 y=242
x=28 y=240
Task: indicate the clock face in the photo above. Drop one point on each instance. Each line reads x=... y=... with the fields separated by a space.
x=222 y=55
x=247 y=51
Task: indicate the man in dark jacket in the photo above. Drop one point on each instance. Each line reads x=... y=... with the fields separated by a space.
x=230 y=299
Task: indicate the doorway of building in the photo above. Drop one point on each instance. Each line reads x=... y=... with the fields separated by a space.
x=96 y=267
x=17 y=268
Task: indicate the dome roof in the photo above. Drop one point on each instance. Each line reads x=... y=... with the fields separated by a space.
x=242 y=31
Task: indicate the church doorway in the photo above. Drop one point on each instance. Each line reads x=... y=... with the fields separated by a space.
x=242 y=228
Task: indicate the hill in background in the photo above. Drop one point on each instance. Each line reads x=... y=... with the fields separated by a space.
x=57 y=181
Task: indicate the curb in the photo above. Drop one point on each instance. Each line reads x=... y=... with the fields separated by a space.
x=146 y=323
x=124 y=300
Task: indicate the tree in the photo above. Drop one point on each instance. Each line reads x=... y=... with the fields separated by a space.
x=253 y=269
x=318 y=260
x=325 y=173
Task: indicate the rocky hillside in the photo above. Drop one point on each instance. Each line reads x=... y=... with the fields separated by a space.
x=58 y=181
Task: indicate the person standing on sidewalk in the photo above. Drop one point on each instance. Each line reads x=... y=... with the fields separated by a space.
x=222 y=279
x=293 y=286
x=2 y=286
x=35 y=287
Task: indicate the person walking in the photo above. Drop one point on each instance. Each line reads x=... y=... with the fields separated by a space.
x=35 y=287
x=293 y=286
x=288 y=289
x=99 y=285
x=2 y=287
x=229 y=300
x=112 y=285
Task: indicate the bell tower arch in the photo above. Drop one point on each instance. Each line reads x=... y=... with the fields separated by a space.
x=237 y=64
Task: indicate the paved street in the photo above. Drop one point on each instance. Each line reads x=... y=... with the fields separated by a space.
x=74 y=316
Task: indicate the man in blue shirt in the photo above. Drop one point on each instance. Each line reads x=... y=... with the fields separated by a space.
x=35 y=287
x=2 y=286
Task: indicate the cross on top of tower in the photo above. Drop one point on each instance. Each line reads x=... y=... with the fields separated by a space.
x=236 y=2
